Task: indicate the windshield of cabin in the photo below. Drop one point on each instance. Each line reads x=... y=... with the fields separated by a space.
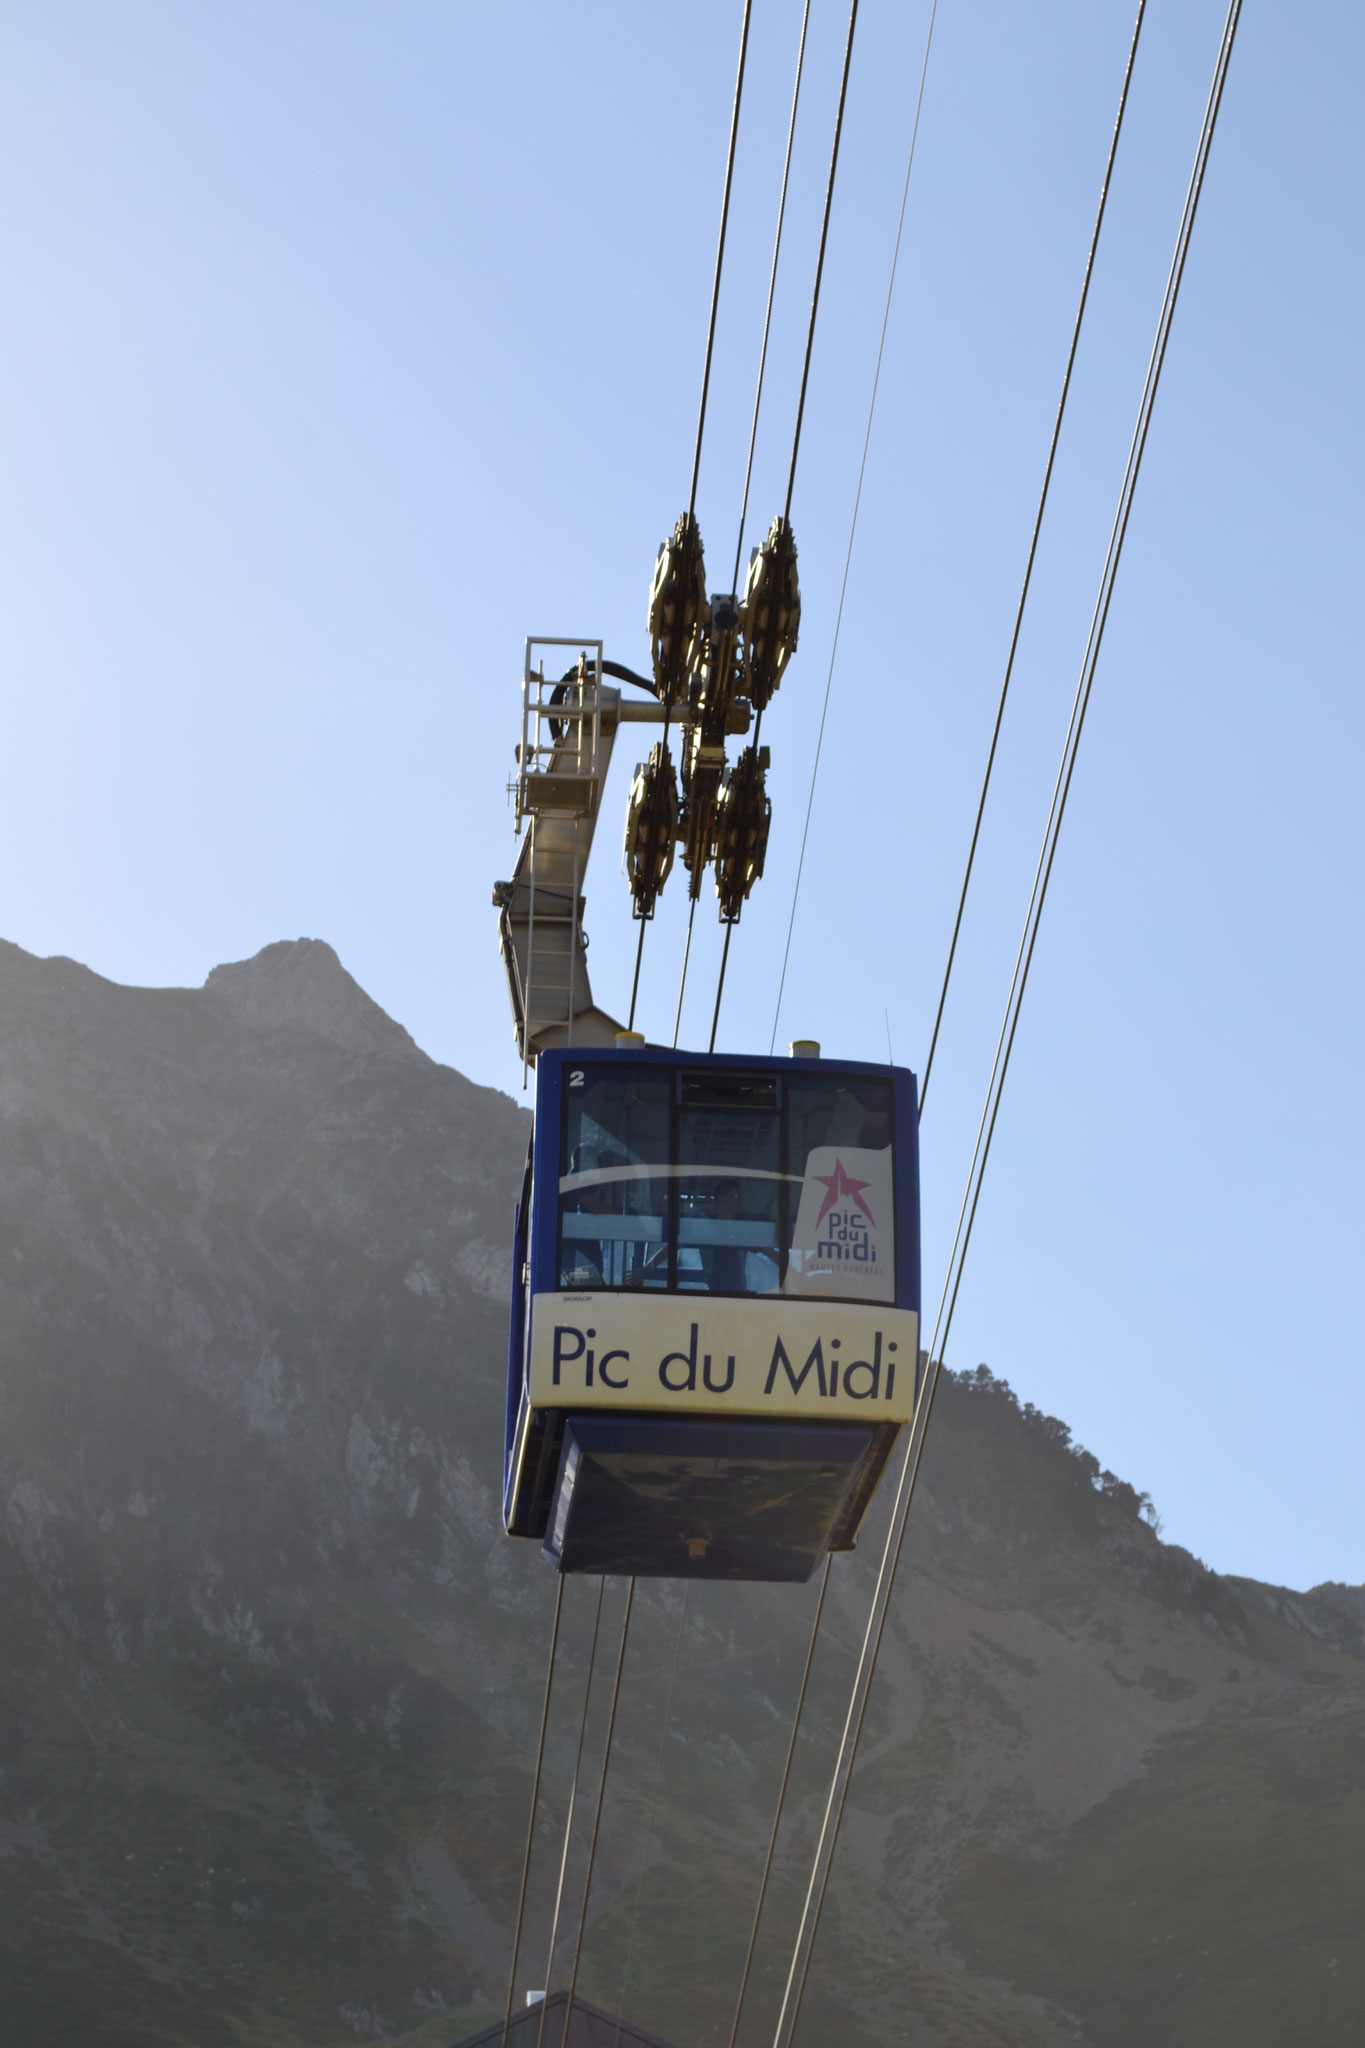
x=614 y=1192
x=738 y=1183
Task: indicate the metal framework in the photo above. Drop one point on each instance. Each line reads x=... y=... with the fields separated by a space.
x=568 y=728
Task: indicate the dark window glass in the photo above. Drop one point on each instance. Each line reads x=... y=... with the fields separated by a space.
x=707 y=1182
x=614 y=1178
x=614 y=1184
x=729 y=1181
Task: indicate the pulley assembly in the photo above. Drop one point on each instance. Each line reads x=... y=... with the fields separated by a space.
x=678 y=612
x=743 y=815
x=718 y=660
x=772 y=614
x=651 y=827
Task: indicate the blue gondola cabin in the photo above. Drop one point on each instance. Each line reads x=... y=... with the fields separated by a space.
x=715 y=1310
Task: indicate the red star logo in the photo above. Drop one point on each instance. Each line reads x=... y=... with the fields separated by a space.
x=839 y=1188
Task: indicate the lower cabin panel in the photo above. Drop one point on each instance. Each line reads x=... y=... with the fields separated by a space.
x=653 y=1496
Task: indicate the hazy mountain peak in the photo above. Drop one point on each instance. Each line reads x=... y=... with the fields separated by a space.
x=301 y=981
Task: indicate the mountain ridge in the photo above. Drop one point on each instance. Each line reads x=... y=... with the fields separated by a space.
x=273 y=1672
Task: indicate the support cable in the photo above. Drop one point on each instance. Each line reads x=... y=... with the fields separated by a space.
x=772 y=287
x=639 y=956
x=601 y=1799
x=701 y=429
x=805 y=379
x=682 y=979
x=839 y=1785
x=653 y=1804
x=853 y=523
x=535 y=1802
x=568 y=1821
x=720 y=981
x=820 y=258
x=781 y=1800
x=720 y=251
x=857 y=1708
x=749 y=469
x=1033 y=542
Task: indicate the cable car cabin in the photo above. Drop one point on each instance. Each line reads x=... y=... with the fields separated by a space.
x=715 y=1310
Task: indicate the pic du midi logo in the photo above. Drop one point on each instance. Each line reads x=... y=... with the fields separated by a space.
x=845 y=1224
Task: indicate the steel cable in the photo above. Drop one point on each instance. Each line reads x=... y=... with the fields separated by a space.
x=639 y=956
x=682 y=980
x=772 y=287
x=842 y=1777
x=781 y=1801
x=1033 y=542
x=696 y=455
x=853 y=524
x=720 y=982
x=568 y=1821
x=653 y=1805
x=801 y=395
x=601 y=1799
x=720 y=251
x=857 y=1709
x=753 y=438
x=820 y=257
x=535 y=1801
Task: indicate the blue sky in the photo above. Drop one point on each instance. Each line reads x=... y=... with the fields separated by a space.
x=344 y=345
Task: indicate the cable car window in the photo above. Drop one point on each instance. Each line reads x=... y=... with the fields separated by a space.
x=614 y=1187
x=841 y=1224
x=729 y=1183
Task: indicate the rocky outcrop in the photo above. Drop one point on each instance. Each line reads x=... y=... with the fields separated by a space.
x=302 y=982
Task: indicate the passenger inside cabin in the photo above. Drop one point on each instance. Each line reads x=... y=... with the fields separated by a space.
x=726 y=1265
x=736 y=1266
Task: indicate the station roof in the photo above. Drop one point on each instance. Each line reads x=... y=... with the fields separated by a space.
x=590 y=2027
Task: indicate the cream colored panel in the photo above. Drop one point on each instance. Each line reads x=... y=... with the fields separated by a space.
x=845 y=1240
x=690 y=1354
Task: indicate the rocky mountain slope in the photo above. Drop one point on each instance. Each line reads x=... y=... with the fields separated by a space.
x=271 y=1673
